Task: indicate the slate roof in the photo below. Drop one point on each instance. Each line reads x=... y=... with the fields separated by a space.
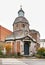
x=12 y=38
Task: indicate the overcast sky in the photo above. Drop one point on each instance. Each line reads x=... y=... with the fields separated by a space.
x=34 y=12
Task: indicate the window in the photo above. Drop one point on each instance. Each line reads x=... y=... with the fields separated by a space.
x=23 y=25
x=16 y=25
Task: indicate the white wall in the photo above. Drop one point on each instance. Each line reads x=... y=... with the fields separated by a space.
x=32 y=48
x=42 y=44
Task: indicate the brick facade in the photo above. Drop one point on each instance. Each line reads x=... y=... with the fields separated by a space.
x=4 y=33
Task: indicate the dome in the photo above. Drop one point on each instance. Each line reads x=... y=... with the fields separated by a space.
x=21 y=19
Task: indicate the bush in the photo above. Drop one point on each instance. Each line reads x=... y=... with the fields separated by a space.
x=40 y=52
x=37 y=55
x=1 y=52
x=8 y=48
x=44 y=54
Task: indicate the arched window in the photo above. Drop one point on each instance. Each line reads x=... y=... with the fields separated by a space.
x=16 y=25
x=23 y=25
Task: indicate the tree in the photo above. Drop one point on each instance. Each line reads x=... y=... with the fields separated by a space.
x=8 y=48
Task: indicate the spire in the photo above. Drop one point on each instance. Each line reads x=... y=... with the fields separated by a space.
x=20 y=12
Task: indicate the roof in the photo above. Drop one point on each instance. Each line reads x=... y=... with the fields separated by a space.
x=21 y=19
x=4 y=32
x=20 y=10
x=5 y=28
x=34 y=31
x=12 y=38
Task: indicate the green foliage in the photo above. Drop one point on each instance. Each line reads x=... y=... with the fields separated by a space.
x=10 y=56
x=41 y=52
x=1 y=52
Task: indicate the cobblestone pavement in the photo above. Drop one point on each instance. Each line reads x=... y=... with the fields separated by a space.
x=11 y=61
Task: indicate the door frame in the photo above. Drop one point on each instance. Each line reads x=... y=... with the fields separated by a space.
x=28 y=45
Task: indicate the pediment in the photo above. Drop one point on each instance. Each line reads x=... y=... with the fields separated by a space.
x=27 y=38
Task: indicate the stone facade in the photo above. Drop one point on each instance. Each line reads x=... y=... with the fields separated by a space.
x=35 y=34
x=26 y=41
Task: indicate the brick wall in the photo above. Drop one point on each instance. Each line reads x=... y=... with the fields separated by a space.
x=4 y=33
x=18 y=46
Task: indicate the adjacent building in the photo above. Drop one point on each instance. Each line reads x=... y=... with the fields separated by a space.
x=3 y=34
x=42 y=43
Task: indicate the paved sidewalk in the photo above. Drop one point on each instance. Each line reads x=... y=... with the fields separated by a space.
x=34 y=61
x=0 y=62
x=12 y=62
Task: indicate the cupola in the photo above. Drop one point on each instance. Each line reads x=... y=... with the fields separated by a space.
x=21 y=12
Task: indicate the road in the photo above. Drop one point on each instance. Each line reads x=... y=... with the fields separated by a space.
x=10 y=61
